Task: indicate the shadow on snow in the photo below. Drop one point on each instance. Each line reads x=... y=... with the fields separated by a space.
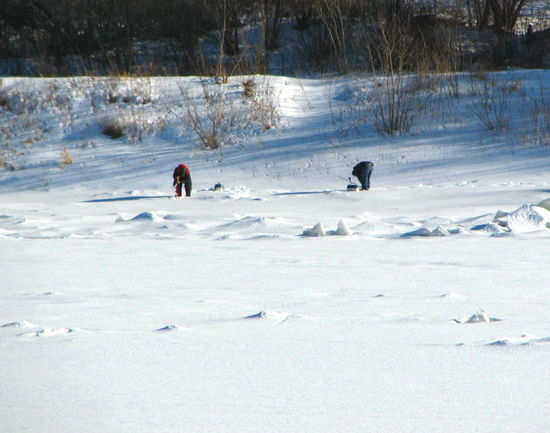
x=127 y=198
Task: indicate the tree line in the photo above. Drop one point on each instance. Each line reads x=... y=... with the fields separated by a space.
x=61 y=36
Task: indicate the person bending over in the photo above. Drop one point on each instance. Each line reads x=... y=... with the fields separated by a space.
x=362 y=171
x=182 y=176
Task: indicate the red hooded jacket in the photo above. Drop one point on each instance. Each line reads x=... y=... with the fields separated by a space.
x=182 y=171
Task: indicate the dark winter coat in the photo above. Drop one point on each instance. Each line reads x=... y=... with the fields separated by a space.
x=363 y=171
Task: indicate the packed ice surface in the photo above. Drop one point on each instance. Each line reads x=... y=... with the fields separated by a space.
x=282 y=303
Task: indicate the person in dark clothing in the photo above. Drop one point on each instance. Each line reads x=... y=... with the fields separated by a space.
x=530 y=36
x=362 y=171
x=182 y=176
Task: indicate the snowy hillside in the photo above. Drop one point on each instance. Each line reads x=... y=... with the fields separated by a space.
x=282 y=303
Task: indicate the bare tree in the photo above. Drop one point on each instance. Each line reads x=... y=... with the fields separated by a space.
x=390 y=56
x=506 y=12
x=479 y=12
x=272 y=13
x=331 y=14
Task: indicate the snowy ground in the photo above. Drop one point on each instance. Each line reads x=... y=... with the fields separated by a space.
x=283 y=303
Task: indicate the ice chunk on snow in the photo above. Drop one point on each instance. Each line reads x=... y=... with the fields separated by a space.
x=479 y=317
x=341 y=230
x=426 y=232
x=490 y=228
x=440 y=231
x=315 y=231
x=527 y=218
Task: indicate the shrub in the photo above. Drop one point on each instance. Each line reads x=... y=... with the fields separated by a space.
x=493 y=108
x=4 y=100
x=65 y=159
x=4 y=163
x=540 y=115
x=248 y=88
x=219 y=118
x=114 y=128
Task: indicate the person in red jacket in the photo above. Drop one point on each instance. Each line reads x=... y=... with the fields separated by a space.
x=182 y=176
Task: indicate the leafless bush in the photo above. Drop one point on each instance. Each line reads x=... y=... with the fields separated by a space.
x=4 y=99
x=249 y=86
x=211 y=115
x=264 y=111
x=130 y=124
x=540 y=115
x=124 y=89
x=394 y=107
x=5 y=162
x=492 y=107
x=124 y=107
x=220 y=116
x=113 y=128
x=393 y=110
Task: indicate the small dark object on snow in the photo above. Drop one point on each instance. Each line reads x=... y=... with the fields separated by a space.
x=259 y=315
x=218 y=187
x=352 y=186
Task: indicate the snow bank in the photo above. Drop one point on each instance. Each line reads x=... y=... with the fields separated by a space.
x=527 y=218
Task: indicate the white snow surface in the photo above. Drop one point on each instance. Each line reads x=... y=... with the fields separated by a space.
x=283 y=303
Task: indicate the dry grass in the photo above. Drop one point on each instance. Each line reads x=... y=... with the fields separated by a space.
x=65 y=159
x=249 y=88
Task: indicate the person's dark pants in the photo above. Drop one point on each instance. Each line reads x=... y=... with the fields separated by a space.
x=187 y=184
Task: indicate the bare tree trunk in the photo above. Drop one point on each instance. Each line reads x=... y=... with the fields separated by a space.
x=220 y=71
x=272 y=24
x=332 y=17
x=506 y=13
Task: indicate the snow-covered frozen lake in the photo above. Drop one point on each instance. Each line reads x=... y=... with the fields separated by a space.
x=282 y=303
